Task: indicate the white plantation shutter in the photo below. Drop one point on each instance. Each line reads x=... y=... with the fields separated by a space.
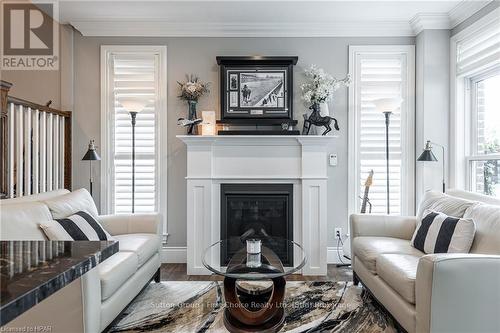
x=480 y=50
x=382 y=74
x=134 y=75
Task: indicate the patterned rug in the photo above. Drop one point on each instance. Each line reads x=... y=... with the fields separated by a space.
x=198 y=307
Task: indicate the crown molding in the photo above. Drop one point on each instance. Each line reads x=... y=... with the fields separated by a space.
x=152 y=28
x=424 y=21
x=464 y=10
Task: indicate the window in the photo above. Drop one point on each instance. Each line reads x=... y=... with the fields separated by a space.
x=133 y=72
x=381 y=72
x=476 y=104
x=484 y=162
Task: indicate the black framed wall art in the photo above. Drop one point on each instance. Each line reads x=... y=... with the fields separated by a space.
x=254 y=88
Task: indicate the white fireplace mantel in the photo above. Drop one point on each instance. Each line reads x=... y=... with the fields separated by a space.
x=298 y=160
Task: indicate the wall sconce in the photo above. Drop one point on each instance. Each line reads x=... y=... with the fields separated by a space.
x=208 y=124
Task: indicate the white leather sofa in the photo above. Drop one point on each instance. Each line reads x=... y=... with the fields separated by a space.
x=433 y=292
x=111 y=286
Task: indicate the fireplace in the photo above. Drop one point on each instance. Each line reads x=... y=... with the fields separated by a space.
x=263 y=211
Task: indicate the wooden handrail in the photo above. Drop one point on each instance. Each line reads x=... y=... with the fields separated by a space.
x=34 y=106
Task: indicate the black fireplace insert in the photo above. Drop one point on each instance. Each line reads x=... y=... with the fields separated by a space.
x=262 y=211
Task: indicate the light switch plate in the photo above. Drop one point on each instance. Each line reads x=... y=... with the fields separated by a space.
x=333 y=160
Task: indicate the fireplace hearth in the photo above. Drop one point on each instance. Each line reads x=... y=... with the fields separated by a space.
x=263 y=211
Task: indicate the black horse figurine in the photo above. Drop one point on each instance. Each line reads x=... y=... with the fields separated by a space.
x=316 y=119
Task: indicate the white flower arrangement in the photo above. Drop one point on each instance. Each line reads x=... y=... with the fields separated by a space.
x=321 y=85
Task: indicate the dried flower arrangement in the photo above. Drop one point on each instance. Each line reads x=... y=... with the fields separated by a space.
x=193 y=88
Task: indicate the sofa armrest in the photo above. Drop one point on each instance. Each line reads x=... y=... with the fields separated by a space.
x=382 y=226
x=458 y=293
x=131 y=223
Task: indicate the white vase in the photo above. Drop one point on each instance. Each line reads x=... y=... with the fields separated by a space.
x=323 y=109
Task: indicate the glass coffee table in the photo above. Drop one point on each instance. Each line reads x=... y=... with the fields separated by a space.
x=254 y=283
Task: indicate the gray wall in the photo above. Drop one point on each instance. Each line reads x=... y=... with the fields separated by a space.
x=197 y=55
x=41 y=86
x=432 y=105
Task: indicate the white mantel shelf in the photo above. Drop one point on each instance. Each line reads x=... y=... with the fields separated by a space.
x=292 y=159
x=256 y=139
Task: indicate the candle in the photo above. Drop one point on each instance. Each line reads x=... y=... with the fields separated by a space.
x=208 y=123
x=253 y=246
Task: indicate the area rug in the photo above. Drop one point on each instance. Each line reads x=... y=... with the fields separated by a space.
x=183 y=307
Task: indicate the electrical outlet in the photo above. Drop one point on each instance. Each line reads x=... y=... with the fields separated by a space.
x=338 y=233
x=333 y=160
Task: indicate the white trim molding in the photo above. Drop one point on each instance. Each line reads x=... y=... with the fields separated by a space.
x=173 y=255
x=107 y=107
x=407 y=141
x=162 y=28
x=424 y=21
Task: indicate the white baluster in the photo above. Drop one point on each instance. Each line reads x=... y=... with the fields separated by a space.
x=61 y=152
x=19 y=151
x=50 y=136
x=36 y=157
x=55 y=155
x=27 y=151
x=11 y=147
x=43 y=151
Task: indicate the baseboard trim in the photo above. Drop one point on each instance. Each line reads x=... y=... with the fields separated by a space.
x=178 y=254
x=174 y=255
x=332 y=257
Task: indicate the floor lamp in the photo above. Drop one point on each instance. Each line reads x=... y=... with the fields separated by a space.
x=91 y=155
x=133 y=106
x=387 y=106
x=428 y=156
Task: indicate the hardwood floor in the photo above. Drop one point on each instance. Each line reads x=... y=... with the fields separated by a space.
x=177 y=272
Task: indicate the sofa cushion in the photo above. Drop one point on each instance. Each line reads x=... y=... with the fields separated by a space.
x=440 y=202
x=20 y=221
x=71 y=203
x=487 y=220
x=143 y=245
x=114 y=271
x=399 y=271
x=35 y=197
x=79 y=227
x=367 y=249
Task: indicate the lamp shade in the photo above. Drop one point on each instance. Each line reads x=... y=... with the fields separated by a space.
x=132 y=104
x=427 y=155
x=91 y=154
x=387 y=104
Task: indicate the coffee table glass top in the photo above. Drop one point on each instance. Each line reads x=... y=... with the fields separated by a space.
x=246 y=263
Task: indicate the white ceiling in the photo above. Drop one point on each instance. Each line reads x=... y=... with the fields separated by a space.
x=262 y=18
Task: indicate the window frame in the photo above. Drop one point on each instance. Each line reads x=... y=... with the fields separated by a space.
x=107 y=107
x=472 y=113
x=463 y=141
x=408 y=140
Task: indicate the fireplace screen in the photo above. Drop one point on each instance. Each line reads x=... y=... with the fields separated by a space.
x=262 y=211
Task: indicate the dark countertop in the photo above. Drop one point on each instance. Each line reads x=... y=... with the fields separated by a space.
x=31 y=271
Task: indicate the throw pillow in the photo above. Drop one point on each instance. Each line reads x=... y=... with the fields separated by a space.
x=78 y=227
x=440 y=233
x=71 y=203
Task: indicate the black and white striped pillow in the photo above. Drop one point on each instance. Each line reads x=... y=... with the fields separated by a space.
x=439 y=233
x=80 y=226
